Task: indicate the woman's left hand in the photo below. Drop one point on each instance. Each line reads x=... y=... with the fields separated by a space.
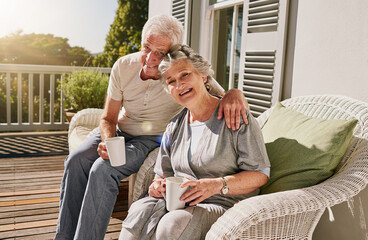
x=201 y=189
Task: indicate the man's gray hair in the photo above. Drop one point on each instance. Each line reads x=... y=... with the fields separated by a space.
x=164 y=25
x=184 y=52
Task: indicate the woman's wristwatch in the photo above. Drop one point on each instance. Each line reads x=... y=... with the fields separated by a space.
x=225 y=187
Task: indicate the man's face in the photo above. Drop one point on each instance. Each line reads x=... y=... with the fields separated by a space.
x=153 y=50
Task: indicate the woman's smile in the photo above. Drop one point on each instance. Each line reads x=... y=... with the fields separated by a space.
x=185 y=92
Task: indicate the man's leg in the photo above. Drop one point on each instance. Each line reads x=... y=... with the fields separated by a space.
x=73 y=185
x=103 y=187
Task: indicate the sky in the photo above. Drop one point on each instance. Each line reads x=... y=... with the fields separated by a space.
x=85 y=23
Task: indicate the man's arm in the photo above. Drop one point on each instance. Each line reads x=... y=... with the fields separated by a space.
x=232 y=105
x=108 y=122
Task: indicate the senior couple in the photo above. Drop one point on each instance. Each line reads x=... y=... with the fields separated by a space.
x=224 y=159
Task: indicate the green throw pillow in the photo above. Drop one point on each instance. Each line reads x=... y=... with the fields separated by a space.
x=303 y=151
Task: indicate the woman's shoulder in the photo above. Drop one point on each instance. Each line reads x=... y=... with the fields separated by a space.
x=178 y=119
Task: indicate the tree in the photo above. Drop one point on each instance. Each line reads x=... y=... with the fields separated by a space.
x=125 y=32
x=41 y=49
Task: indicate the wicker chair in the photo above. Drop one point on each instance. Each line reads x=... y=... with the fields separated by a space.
x=293 y=214
x=290 y=214
x=83 y=124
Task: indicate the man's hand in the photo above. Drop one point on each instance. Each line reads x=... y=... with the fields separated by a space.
x=102 y=151
x=108 y=122
x=232 y=105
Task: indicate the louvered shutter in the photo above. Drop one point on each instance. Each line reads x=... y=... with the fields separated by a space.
x=181 y=9
x=263 y=52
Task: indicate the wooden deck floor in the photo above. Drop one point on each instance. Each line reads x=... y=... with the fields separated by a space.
x=29 y=198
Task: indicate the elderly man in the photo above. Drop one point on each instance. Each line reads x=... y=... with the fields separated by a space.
x=90 y=184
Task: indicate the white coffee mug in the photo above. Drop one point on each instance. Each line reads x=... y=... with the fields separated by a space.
x=116 y=149
x=174 y=192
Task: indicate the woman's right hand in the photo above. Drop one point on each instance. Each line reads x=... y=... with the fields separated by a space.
x=156 y=188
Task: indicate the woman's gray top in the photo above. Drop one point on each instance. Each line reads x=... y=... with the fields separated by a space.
x=220 y=152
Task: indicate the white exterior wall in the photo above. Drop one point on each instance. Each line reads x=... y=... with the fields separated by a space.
x=157 y=7
x=331 y=48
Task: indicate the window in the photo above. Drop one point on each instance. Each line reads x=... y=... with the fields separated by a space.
x=227 y=32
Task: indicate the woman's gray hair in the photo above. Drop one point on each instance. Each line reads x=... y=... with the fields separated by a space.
x=184 y=52
x=164 y=25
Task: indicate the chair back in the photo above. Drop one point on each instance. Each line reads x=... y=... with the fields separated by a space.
x=353 y=168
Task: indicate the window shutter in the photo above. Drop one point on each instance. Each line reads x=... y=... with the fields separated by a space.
x=263 y=52
x=181 y=9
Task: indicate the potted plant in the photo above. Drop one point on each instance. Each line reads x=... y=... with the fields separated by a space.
x=83 y=89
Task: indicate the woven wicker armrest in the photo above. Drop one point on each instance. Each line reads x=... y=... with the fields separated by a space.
x=294 y=214
x=89 y=118
x=268 y=216
x=145 y=175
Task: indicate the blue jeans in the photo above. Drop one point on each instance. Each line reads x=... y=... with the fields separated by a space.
x=90 y=186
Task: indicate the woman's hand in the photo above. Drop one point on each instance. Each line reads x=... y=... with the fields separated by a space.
x=201 y=189
x=232 y=106
x=156 y=188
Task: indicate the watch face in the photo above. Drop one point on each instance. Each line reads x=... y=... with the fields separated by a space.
x=224 y=190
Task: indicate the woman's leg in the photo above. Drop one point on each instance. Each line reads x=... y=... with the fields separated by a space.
x=190 y=223
x=143 y=217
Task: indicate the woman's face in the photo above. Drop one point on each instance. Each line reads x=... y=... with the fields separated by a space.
x=184 y=83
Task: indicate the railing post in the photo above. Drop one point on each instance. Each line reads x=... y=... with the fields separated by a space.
x=62 y=112
x=8 y=103
x=30 y=98
x=19 y=97
x=42 y=77
x=52 y=97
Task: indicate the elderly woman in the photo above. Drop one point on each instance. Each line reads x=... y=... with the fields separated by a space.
x=223 y=166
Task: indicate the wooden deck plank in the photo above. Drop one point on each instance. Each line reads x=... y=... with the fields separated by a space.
x=43 y=236
x=28 y=225
x=27 y=208
x=31 y=186
x=30 y=175
x=26 y=219
x=33 y=192
x=29 y=198
x=8 y=217
x=28 y=232
x=28 y=201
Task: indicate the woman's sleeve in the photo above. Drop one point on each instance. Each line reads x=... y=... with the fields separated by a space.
x=163 y=166
x=250 y=146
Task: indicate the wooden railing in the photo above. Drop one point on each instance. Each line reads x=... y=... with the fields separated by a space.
x=32 y=90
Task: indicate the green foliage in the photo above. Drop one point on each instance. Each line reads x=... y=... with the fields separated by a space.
x=47 y=49
x=84 y=89
x=125 y=33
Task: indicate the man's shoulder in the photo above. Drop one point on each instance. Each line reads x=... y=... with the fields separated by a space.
x=129 y=60
x=126 y=69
